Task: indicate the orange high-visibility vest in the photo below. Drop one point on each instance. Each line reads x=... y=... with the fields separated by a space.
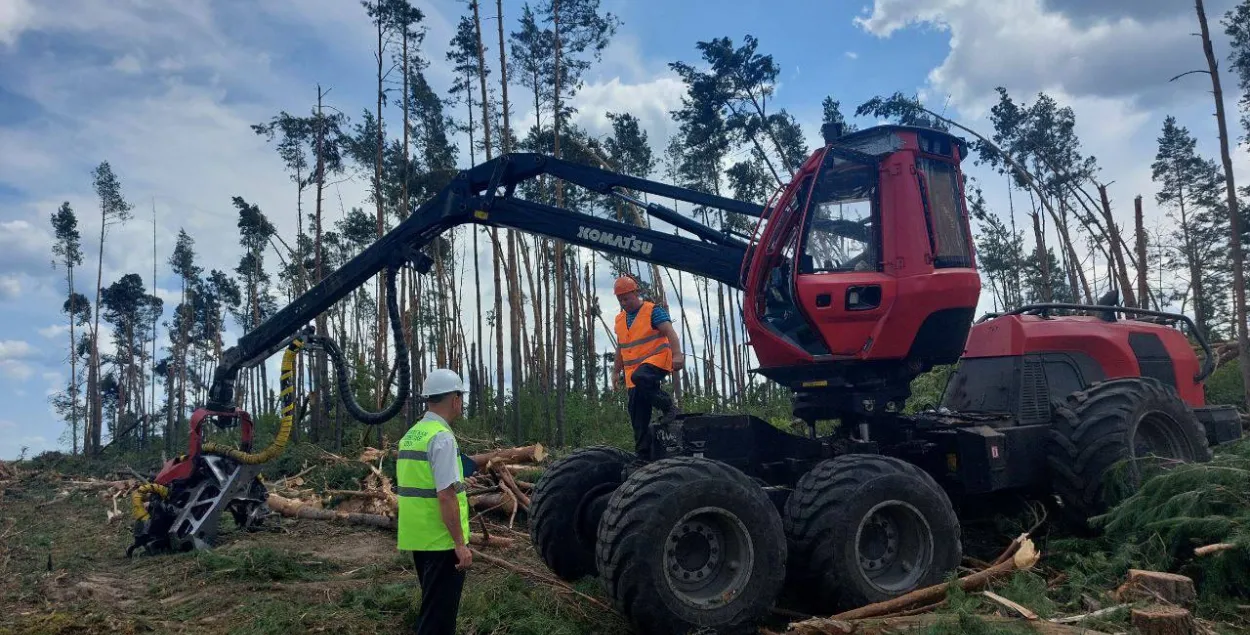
x=641 y=343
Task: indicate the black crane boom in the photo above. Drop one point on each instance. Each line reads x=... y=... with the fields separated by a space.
x=484 y=195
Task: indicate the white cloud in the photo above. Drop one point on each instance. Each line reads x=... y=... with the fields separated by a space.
x=128 y=64
x=12 y=356
x=15 y=16
x=10 y=287
x=15 y=369
x=53 y=331
x=1027 y=47
x=650 y=101
x=15 y=349
x=851 y=55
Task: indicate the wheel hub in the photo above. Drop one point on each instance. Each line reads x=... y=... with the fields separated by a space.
x=895 y=547
x=879 y=545
x=694 y=549
x=708 y=558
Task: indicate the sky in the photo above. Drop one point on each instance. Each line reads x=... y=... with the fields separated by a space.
x=166 y=93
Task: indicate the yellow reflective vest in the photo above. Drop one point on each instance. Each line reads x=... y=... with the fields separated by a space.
x=421 y=525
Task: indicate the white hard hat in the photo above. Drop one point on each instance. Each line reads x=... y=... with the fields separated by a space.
x=441 y=381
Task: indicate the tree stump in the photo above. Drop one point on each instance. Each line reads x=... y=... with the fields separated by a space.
x=1162 y=619
x=1157 y=586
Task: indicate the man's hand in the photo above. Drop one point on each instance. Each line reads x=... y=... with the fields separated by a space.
x=464 y=557
x=679 y=361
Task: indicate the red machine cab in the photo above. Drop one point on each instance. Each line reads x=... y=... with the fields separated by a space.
x=874 y=216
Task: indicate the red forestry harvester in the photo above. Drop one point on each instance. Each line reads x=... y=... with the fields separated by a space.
x=860 y=276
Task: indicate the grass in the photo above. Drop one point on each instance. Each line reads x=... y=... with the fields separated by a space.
x=261 y=564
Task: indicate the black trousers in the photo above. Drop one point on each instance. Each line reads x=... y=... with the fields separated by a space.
x=441 y=585
x=643 y=397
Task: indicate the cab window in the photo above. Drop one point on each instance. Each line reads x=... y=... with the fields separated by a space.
x=842 y=221
x=948 y=222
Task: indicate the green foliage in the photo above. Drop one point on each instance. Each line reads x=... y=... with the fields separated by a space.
x=261 y=564
x=927 y=389
x=499 y=603
x=1188 y=506
x=1224 y=387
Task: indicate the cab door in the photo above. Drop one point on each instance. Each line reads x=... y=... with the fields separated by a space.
x=839 y=281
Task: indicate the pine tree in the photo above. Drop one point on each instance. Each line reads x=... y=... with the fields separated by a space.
x=182 y=262
x=1191 y=187
x=68 y=251
x=114 y=209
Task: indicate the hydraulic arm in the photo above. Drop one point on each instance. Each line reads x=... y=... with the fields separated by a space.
x=485 y=195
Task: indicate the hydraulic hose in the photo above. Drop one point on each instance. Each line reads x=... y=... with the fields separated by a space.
x=287 y=385
x=137 y=510
x=401 y=362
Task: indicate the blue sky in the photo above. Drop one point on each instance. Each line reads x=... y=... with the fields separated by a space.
x=166 y=92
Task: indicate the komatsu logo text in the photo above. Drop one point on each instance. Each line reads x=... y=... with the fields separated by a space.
x=628 y=243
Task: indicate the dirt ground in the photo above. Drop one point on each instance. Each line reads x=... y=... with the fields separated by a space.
x=63 y=569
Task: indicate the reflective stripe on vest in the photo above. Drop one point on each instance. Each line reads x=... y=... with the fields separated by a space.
x=421 y=525
x=640 y=342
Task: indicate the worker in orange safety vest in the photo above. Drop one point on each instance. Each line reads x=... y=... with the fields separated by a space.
x=647 y=351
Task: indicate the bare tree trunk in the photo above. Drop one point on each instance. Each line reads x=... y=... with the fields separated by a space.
x=1143 y=288
x=561 y=389
x=494 y=232
x=1239 y=281
x=1043 y=257
x=379 y=342
x=515 y=302
x=1117 y=254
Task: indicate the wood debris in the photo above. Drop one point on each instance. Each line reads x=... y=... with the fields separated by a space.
x=1207 y=550
x=1020 y=555
x=919 y=623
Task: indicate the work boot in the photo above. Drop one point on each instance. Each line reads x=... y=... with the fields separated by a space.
x=669 y=416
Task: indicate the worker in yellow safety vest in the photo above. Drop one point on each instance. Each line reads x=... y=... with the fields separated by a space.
x=647 y=351
x=433 y=507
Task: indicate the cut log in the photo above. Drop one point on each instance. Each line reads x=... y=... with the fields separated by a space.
x=528 y=454
x=1024 y=557
x=297 y=509
x=1162 y=619
x=1170 y=588
x=292 y=508
x=920 y=623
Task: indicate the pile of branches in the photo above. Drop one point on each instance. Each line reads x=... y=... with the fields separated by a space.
x=1193 y=517
x=908 y=610
x=493 y=488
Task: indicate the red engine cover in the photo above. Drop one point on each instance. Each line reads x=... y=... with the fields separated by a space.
x=1108 y=343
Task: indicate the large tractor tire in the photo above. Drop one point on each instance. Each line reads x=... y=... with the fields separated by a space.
x=864 y=528
x=567 y=504
x=691 y=544
x=1102 y=435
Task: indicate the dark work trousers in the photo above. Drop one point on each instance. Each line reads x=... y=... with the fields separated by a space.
x=441 y=585
x=643 y=397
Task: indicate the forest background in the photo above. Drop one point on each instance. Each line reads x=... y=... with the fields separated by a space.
x=173 y=175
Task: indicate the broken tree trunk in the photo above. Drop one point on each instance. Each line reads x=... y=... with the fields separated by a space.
x=1162 y=619
x=528 y=454
x=1157 y=586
